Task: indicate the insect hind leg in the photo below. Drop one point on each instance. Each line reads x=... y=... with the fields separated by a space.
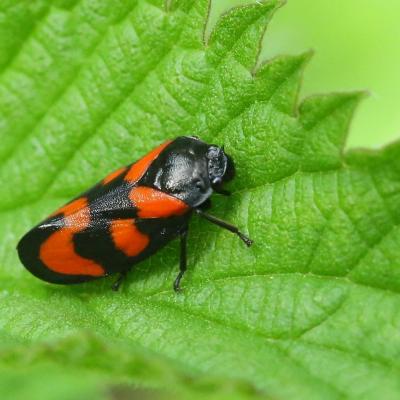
x=182 y=261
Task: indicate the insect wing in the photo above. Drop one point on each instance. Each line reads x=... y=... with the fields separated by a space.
x=48 y=250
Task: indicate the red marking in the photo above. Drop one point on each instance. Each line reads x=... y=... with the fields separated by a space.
x=71 y=208
x=152 y=203
x=140 y=167
x=58 y=252
x=114 y=175
x=127 y=237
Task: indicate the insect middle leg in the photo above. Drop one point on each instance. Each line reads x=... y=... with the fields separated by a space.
x=182 y=260
x=226 y=225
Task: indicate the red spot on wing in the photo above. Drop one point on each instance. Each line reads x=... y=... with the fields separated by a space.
x=152 y=203
x=72 y=207
x=58 y=252
x=127 y=237
x=137 y=170
x=113 y=175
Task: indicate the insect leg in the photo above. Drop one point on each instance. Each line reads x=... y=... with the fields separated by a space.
x=122 y=275
x=182 y=261
x=226 y=225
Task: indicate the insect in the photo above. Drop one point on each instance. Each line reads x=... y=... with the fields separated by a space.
x=130 y=214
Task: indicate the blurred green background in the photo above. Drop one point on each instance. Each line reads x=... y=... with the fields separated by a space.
x=357 y=46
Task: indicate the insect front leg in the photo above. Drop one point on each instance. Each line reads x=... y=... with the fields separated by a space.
x=182 y=260
x=116 y=285
x=226 y=225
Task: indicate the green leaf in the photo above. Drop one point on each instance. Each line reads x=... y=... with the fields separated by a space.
x=310 y=311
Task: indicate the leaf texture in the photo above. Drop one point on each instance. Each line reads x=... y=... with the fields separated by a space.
x=310 y=311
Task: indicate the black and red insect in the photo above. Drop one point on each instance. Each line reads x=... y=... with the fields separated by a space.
x=130 y=214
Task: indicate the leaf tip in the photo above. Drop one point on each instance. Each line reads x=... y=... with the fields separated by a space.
x=333 y=99
x=301 y=60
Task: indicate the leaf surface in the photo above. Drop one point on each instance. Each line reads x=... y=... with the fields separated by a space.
x=310 y=311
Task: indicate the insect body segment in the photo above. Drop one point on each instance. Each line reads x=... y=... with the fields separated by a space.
x=129 y=215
